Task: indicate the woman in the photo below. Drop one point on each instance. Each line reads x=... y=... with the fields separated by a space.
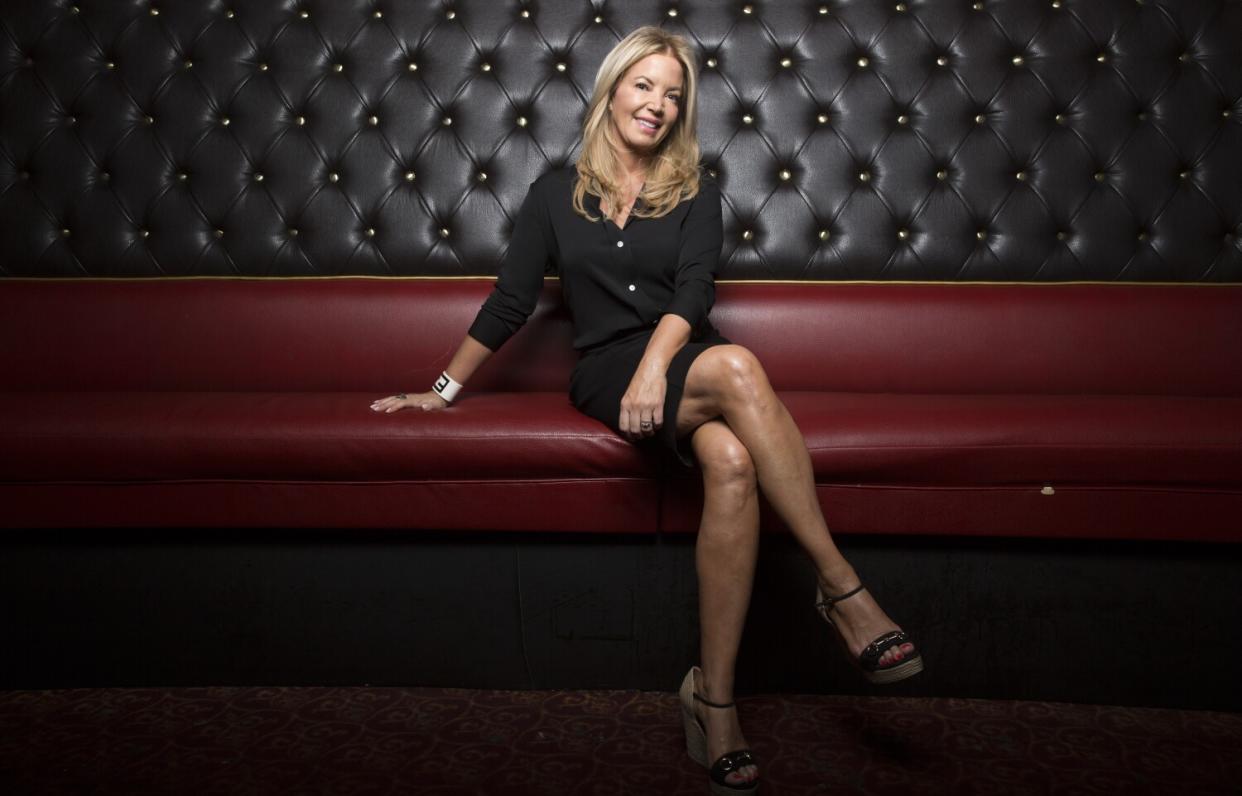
x=634 y=230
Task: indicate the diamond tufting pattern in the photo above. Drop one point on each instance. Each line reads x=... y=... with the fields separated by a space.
x=1022 y=140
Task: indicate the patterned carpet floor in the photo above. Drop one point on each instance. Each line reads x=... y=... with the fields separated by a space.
x=442 y=742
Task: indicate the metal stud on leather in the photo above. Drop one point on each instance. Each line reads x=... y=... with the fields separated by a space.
x=1091 y=139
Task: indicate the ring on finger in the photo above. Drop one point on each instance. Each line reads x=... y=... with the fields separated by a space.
x=401 y=395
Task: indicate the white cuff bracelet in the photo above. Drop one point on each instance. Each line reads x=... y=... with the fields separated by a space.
x=446 y=388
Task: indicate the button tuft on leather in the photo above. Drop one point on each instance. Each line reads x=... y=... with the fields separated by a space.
x=620 y=244
x=632 y=288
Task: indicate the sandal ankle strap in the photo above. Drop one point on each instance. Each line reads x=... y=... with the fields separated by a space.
x=827 y=602
x=712 y=704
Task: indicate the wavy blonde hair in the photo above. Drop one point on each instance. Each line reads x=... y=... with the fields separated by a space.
x=674 y=172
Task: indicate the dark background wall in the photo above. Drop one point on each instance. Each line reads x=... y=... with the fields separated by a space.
x=854 y=139
x=1096 y=622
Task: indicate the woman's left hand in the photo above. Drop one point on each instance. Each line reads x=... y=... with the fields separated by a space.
x=642 y=406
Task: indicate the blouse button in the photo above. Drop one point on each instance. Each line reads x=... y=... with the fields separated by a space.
x=620 y=243
x=632 y=288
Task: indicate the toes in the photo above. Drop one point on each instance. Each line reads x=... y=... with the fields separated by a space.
x=742 y=775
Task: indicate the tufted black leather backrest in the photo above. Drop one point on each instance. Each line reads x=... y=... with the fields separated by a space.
x=854 y=139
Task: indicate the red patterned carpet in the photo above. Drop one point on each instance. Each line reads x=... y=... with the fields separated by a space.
x=355 y=741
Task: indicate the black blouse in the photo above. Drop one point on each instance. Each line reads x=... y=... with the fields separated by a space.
x=613 y=280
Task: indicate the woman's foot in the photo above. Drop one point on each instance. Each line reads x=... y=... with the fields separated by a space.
x=724 y=735
x=860 y=620
x=722 y=729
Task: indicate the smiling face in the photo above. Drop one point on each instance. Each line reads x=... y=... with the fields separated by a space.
x=646 y=103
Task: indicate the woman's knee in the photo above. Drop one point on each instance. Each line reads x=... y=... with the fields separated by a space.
x=736 y=372
x=725 y=460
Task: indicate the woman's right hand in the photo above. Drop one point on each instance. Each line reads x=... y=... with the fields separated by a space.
x=427 y=401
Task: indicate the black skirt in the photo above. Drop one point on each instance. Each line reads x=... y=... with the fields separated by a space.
x=604 y=372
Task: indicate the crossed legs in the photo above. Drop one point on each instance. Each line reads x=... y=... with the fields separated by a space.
x=744 y=437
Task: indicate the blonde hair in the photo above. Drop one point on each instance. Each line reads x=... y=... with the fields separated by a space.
x=674 y=171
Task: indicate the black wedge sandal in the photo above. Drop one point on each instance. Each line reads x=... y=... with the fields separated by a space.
x=696 y=743
x=869 y=660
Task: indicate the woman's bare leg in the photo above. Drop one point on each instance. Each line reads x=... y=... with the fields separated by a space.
x=725 y=554
x=728 y=382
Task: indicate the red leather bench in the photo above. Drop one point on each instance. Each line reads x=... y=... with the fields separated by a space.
x=1081 y=410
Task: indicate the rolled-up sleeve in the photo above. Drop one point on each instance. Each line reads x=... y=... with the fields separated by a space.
x=698 y=256
x=517 y=288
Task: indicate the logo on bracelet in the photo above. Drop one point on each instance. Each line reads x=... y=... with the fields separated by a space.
x=441 y=382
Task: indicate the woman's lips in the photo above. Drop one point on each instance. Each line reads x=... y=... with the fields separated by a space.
x=645 y=128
